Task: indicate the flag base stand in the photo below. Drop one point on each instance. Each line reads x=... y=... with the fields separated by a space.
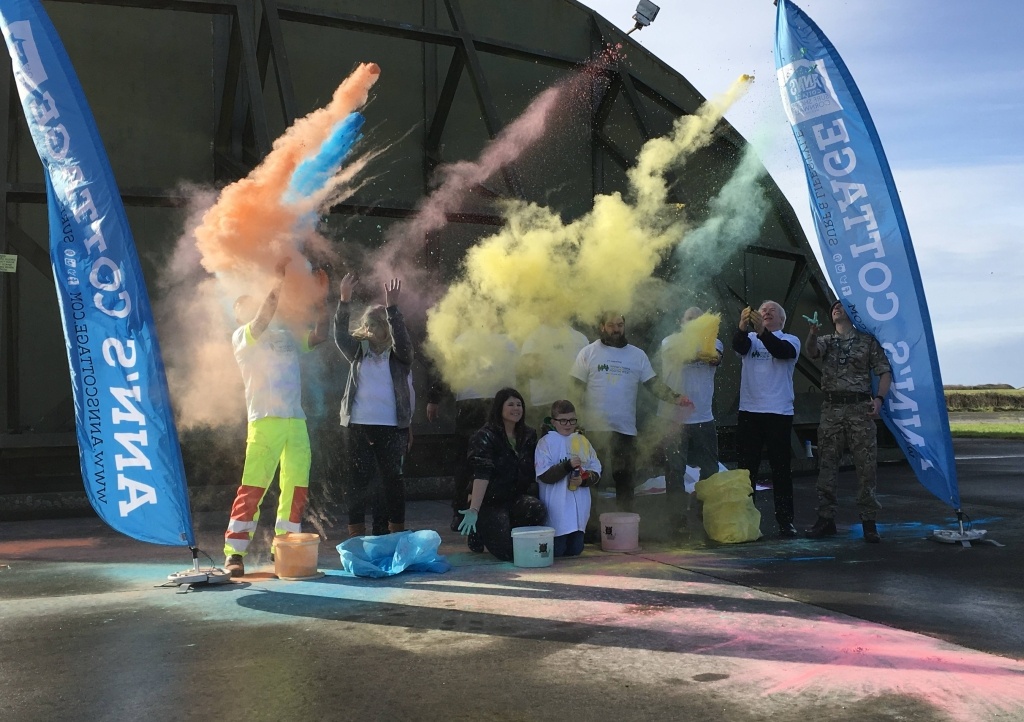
x=952 y=536
x=195 y=575
x=962 y=536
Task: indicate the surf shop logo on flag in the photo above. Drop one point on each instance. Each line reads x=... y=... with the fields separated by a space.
x=864 y=239
x=128 y=445
x=808 y=91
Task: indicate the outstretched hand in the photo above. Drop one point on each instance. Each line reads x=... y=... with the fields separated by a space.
x=813 y=320
x=744 y=318
x=392 y=290
x=345 y=289
x=469 y=519
x=756 y=321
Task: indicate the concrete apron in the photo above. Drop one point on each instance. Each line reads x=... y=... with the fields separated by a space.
x=87 y=635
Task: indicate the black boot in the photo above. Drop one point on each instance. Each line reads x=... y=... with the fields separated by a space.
x=821 y=529
x=870 y=531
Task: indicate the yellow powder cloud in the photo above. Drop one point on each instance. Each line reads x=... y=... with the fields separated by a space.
x=537 y=269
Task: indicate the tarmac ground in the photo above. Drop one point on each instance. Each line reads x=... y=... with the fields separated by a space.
x=782 y=630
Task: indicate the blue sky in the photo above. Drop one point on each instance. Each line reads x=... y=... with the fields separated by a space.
x=944 y=82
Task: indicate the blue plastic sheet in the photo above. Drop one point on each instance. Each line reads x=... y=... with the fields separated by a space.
x=390 y=554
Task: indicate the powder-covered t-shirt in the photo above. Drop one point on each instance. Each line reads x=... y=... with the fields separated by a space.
x=695 y=381
x=766 y=382
x=270 y=370
x=613 y=377
x=568 y=511
x=374 y=402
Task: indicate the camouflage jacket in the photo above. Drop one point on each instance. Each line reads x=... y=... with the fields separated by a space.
x=847 y=362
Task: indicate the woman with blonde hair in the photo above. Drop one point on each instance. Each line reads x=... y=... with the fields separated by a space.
x=376 y=409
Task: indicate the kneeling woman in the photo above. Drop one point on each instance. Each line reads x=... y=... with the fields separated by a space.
x=501 y=457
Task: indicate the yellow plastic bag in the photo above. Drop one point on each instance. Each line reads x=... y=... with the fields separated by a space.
x=730 y=516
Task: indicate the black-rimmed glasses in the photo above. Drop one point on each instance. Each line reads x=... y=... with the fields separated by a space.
x=566 y=422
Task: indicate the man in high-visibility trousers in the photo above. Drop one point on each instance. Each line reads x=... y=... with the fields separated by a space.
x=268 y=357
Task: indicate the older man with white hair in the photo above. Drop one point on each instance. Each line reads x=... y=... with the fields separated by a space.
x=766 y=402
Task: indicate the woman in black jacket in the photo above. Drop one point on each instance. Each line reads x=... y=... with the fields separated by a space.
x=504 y=479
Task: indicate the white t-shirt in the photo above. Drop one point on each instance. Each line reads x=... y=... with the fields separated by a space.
x=695 y=381
x=270 y=370
x=558 y=349
x=568 y=511
x=613 y=377
x=374 y=402
x=766 y=383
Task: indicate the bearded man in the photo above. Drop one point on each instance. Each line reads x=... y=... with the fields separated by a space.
x=607 y=377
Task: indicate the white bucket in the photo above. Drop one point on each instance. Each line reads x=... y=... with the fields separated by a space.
x=533 y=546
x=620 y=532
x=295 y=556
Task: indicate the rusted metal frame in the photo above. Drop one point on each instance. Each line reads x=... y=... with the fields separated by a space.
x=226 y=139
x=272 y=39
x=635 y=105
x=775 y=253
x=376 y=26
x=669 y=105
x=228 y=168
x=9 y=387
x=444 y=105
x=188 y=6
x=137 y=196
x=596 y=157
x=240 y=72
x=382 y=211
x=480 y=87
x=799 y=260
x=250 y=110
x=156 y=198
x=798 y=282
x=37 y=255
x=613 y=150
x=408 y=31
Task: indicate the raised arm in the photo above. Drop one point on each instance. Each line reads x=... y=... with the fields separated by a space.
x=741 y=342
x=347 y=344
x=323 y=320
x=811 y=349
x=403 y=342
x=268 y=308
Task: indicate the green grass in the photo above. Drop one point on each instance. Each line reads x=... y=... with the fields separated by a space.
x=981 y=430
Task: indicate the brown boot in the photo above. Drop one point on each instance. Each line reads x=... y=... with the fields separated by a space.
x=356 y=530
x=395 y=526
x=235 y=566
x=870 y=531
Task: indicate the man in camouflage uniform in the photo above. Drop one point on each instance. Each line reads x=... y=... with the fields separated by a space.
x=848 y=413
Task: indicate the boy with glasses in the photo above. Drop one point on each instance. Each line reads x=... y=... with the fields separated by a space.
x=566 y=467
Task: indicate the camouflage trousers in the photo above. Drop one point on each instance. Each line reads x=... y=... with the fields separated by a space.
x=850 y=426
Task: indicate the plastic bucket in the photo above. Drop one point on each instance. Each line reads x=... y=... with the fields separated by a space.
x=620 y=532
x=295 y=556
x=533 y=546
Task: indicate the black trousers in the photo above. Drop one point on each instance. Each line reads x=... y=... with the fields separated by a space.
x=617 y=452
x=470 y=415
x=373 y=450
x=495 y=524
x=754 y=431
